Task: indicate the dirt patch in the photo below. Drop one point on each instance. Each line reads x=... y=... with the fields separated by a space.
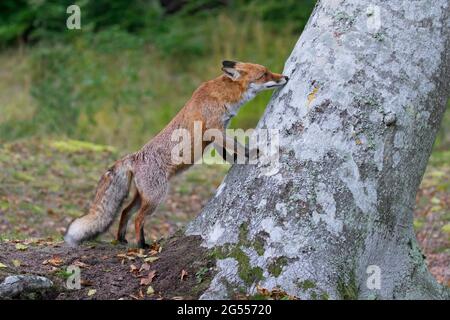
x=185 y=269
x=178 y=269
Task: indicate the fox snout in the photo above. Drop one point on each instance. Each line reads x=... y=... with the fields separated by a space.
x=278 y=80
x=283 y=79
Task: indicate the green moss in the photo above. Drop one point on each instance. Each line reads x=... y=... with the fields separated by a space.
x=446 y=228
x=4 y=205
x=258 y=245
x=306 y=285
x=418 y=224
x=324 y=296
x=258 y=296
x=416 y=253
x=276 y=266
x=259 y=242
x=347 y=287
x=22 y=176
x=246 y=272
x=309 y=286
x=243 y=234
x=379 y=36
x=79 y=146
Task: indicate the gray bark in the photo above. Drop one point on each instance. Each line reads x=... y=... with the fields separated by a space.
x=357 y=121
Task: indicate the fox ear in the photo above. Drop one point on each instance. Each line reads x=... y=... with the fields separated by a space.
x=228 y=64
x=231 y=73
x=229 y=70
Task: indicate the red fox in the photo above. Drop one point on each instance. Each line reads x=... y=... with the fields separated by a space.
x=145 y=174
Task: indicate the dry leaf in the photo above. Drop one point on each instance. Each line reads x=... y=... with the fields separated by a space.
x=3 y=265
x=151 y=259
x=147 y=280
x=144 y=267
x=80 y=264
x=55 y=261
x=86 y=283
x=16 y=263
x=125 y=256
x=91 y=292
x=133 y=268
x=150 y=290
x=141 y=253
x=155 y=246
x=183 y=274
x=21 y=247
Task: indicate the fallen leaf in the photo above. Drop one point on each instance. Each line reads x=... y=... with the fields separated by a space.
x=177 y=298
x=21 y=247
x=91 y=292
x=125 y=256
x=155 y=246
x=150 y=290
x=133 y=268
x=183 y=274
x=151 y=259
x=144 y=267
x=86 y=283
x=141 y=253
x=80 y=264
x=3 y=265
x=147 y=280
x=55 y=261
x=16 y=263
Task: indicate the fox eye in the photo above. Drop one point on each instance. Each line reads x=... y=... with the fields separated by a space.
x=263 y=75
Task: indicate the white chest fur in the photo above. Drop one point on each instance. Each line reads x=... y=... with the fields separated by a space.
x=232 y=109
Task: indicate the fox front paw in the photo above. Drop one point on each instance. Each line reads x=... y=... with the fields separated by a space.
x=122 y=241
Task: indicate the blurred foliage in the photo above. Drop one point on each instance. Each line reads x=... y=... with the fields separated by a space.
x=30 y=21
x=133 y=65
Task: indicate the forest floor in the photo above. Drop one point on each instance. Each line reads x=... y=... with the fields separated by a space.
x=47 y=183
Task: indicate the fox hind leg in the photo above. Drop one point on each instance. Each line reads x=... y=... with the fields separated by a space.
x=146 y=208
x=125 y=217
x=152 y=184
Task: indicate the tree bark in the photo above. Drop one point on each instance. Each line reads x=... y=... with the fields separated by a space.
x=357 y=122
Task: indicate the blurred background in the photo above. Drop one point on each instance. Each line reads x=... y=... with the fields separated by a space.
x=72 y=101
x=133 y=64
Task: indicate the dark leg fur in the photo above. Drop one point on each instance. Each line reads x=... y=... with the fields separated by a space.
x=125 y=217
x=145 y=210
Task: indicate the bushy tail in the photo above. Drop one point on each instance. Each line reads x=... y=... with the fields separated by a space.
x=111 y=191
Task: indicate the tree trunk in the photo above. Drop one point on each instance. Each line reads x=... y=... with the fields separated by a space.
x=368 y=87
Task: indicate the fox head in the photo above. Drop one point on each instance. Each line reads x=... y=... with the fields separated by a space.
x=252 y=76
